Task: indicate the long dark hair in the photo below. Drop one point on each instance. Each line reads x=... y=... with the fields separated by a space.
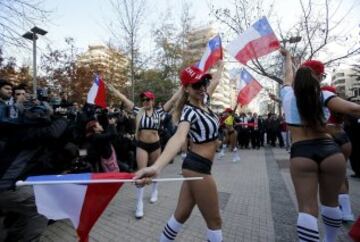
x=309 y=99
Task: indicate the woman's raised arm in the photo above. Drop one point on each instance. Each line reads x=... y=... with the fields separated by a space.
x=129 y=105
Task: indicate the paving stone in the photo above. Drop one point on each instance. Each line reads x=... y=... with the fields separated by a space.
x=256 y=198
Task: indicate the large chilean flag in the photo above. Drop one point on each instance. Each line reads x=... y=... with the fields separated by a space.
x=248 y=88
x=212 y=54
x=80 y=201
x=257 y=41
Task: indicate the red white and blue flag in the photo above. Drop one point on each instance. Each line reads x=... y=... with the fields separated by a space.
x=257 y=41
x=248 y=88
x=212 y=54
x=97 y=93
x=80 y=201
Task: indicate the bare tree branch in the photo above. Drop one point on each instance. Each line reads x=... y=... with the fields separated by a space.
x=16 y=17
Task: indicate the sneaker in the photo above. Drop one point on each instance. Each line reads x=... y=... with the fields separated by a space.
x=154 y=197
x=235 y=149
x=139 y=213
x=348 y=218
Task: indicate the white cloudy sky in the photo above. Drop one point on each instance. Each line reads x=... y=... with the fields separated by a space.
x=85 y=20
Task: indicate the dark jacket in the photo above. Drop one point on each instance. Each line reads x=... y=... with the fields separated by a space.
x=23 y=146
x=99 y=145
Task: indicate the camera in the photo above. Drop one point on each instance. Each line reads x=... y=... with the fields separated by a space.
x=42 y=94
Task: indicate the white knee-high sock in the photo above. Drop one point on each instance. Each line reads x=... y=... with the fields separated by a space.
x=344 y=202
x=140 y=194
x=170 y=230
x=332 y=221
x=214 y=235
x=154 y=187
x=307 y=228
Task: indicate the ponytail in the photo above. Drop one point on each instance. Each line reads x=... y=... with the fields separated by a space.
x=309 y=99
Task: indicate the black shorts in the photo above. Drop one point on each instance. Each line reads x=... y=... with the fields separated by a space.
x=195 y=162
x=316 y=149
x=341 y=138
x=149 y=147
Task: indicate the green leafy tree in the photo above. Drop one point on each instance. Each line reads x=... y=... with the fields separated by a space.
x=153 y=80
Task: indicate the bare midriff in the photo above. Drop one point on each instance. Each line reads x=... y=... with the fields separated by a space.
x=148 y=135
x=301 y=134
x=206 y=150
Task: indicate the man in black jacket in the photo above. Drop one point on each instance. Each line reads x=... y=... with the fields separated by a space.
x=352 y=128
x=20 y=151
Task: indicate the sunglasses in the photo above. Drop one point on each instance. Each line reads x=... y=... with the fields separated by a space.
x=145 y=99
x=323 y=76
x=203 y=83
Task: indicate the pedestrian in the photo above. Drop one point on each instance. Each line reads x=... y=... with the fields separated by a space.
x=285 y=132
x=352 y=128
x=201 y=124
x=316 y=161
x=254 y=131
x=148 y=145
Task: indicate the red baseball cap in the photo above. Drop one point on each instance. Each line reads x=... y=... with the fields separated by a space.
x=228 y=110
x=315 y=65
x=148 y=94
x=192 y=74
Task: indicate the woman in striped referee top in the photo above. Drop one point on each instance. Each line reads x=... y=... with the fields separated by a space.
x=197 y=121
x=147 y=137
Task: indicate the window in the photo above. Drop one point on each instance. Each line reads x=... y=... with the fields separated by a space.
x=339 y=81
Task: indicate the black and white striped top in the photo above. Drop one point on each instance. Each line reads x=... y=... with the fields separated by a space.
x=204 y=126
x=153 y=121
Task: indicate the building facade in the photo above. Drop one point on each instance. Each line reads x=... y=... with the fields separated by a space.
x=347 y=86
x=225 y=93
x=110 y=63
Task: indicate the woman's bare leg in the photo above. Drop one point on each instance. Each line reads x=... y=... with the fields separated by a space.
x=304 y=174
x=332 y=175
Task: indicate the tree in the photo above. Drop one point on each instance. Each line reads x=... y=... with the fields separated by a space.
x=171 y=43
x=317 y=25
x=169 y=54
x=153 y=80
x=129 y=15
x=9 y=70
x=17 y=17
x=63 y=75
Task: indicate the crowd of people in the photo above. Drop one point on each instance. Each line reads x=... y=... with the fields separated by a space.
x=50 y=134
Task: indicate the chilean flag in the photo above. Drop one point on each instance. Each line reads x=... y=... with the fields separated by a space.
x=80 y=201
x=257 y=41
x=248 y=88
x=213 y=53
x=97 y=93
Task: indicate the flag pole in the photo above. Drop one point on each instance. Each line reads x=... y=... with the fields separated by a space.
x=100 y=181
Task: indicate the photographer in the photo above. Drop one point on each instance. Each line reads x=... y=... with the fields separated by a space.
x=22 y=156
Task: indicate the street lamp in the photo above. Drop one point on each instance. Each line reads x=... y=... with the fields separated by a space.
x=291 y=40
x=33 y=35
